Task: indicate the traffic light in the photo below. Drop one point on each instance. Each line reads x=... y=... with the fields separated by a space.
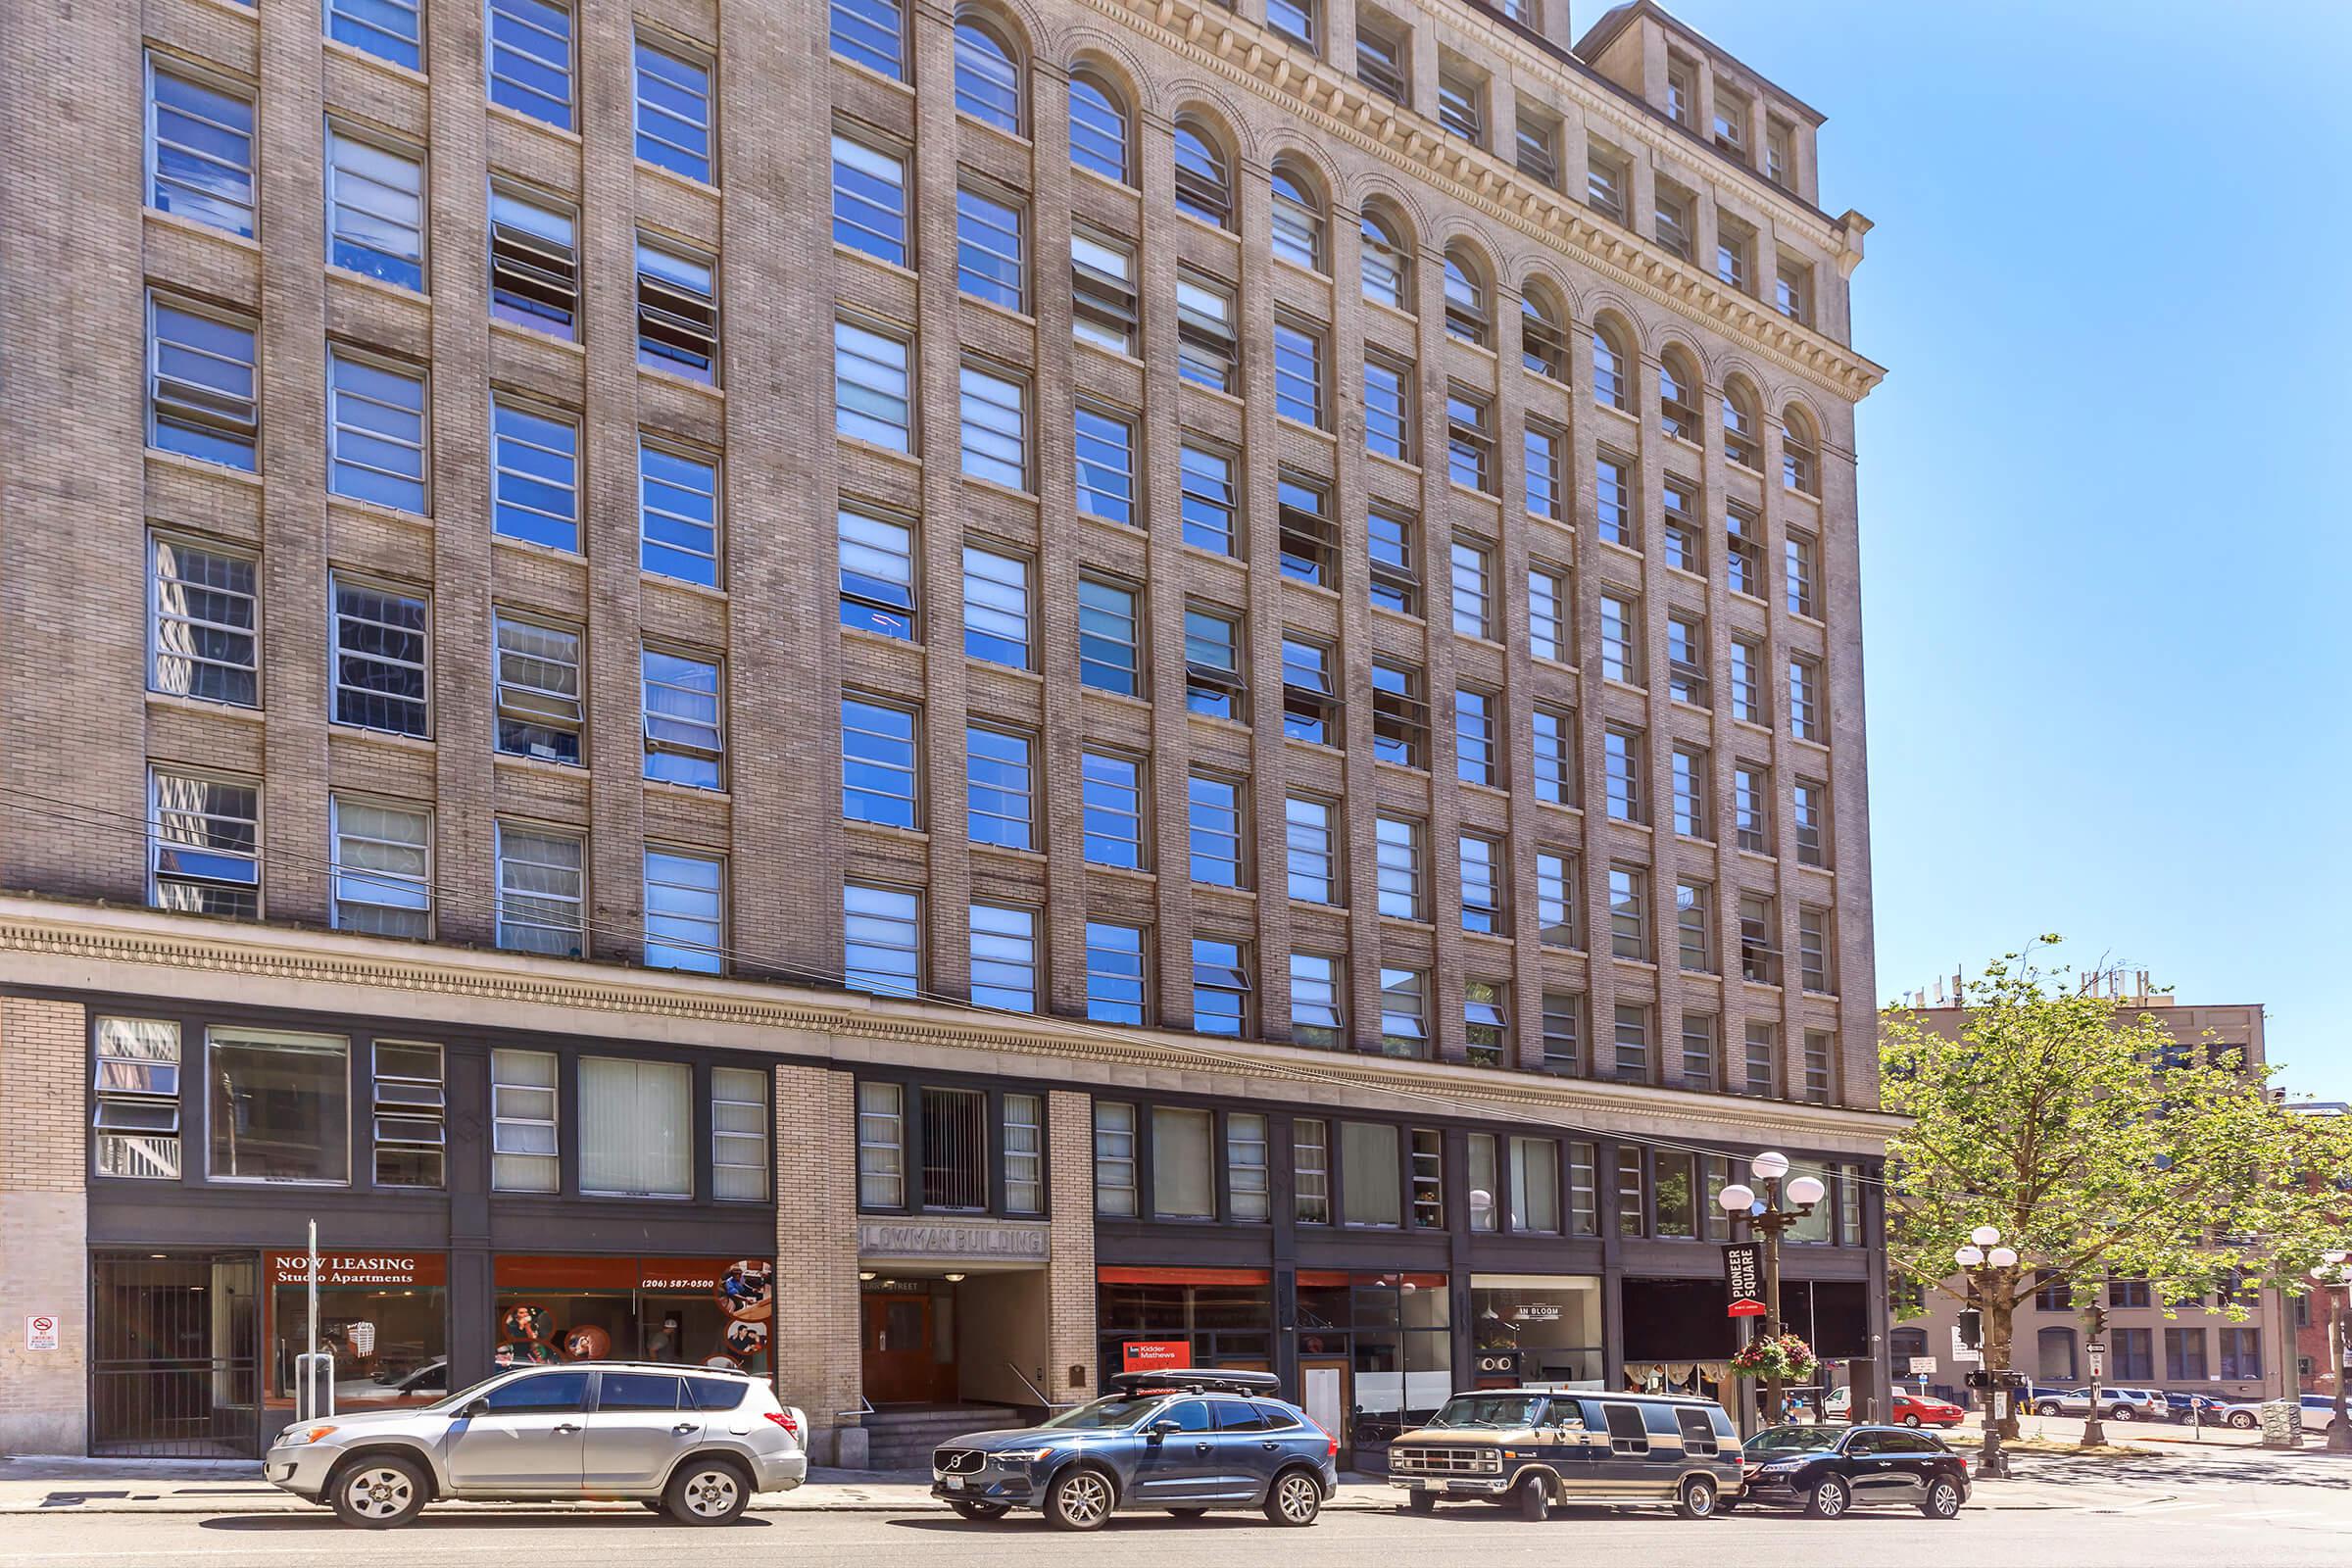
x=1979 y=1380
x=1971 y=1328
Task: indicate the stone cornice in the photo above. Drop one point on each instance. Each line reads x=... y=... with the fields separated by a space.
x=58 y=944
x=1221 y=41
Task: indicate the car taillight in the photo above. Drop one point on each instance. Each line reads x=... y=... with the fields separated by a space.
x=1331 y=1447
x=783 y=1418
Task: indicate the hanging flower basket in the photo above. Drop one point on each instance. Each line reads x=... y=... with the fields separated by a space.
x=1784 y=1356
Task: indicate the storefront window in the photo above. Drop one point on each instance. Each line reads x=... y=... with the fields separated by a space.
x=384 y=1317
x=280 y=1107
x=1536 y=1328
x=1394 y=1332
x=636 y=1128
x=704 y=1311
x=1371 y=1186
x=1172 y=1317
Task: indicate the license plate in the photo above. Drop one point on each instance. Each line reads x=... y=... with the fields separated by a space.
x=955 y=1482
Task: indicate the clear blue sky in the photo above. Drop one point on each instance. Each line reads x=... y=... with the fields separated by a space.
x=2108 y=611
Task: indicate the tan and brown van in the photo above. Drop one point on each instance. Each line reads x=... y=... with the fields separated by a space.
x=1534 y=1450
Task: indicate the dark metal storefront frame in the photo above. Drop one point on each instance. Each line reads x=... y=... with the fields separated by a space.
x=168 y=1377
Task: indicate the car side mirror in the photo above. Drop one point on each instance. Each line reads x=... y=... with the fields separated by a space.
x=476 y=1407
x=1161 y=1429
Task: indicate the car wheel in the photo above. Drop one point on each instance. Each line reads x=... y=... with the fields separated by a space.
x=1943 y=1501
x=2242 y=1420
x=2122 y=1413
x=2046 y=1407
x=980 y=1513
x=1421 y=1502
x=1080 y=1499
x=709 y=1491
x=1911 y=1420
x=1828 y=1498
x=1698 y=1498
x=1295 y=1500
x=379 y=1493
x=1535 y=1499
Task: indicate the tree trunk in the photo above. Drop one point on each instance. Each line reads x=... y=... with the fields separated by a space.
x=1999 y=1315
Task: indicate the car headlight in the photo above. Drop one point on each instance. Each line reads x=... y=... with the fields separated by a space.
x=296 y=1437
x=1021 y=1456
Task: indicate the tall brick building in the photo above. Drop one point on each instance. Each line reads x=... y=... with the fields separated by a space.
x=530 y=523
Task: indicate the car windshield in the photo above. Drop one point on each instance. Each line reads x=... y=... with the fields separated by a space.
x=1490 y=1411
x=1114 y=1414
x=1793 y=1440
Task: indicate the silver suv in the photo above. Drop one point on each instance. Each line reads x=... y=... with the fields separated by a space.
x=695 y=1441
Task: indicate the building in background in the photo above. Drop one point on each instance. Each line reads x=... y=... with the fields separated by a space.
x=940 y=698
x=2310 y=1311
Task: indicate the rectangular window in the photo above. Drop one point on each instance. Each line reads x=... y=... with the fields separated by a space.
x=1294 y=19
x=1110 y=635
x=1400 y=716
x=1804 y=699
x=1543 y=448
x=996 y=608
x=1748 y=696
x=1398 y=857
x=1115 y=1188
x=954 y=1149
x=375 y=209
x=1604 y=182
x=1633 y=1043
x=1799 y=554
x=1792 y=291
x=375 y=431
x=1220 y=987
x=1743 y=551
x=378 y=653
x=1405 y=1012
x=1629 y=913
x=871 y=386
x=1810 y=816
x=534 y=262
x=1780 y=162
x=1111 y=788
x=1485 y=1177
x=1699 y=1051
x=1103 y=299
x=1309 y=544
x=673 y=111
x=1691 y=785
x=204 y=844
x=677 y=515
x=1116 y=989
x=535 y=483
x=1555 y=757
x=530 y=50
x=1763 y=1057
x=199 y=148
x=1214 y=815
x=1473 y=736
x=1428 y=1179
x=1759 y=932
x=1677 y=1189
x=878 y=774
x=1387 y=408
x=203 y=607
x=279 y=1106
x=878 y=573
x=524 y=1138
x=1482 y=878
x=1539 y=156
x=1621 y=639
x=1207 y=482
x=1752 y=807
x=1318 y=990
x=881 y=1145
x=2132 y=1357
x=1473 y=608
x=1487 y=1022
x=1312 y=851
x=1213 y=664
x=1814 y=955
x=539 y=709
x=1623 y=763
x=1310 y=1170
x=1673 y=230
x=677 y=310
x=1633 y=1190
x=1685 y=550
x=871 y=33
x=684 y=742
x=2185 y=1354
x=135 y=1099
x=1612 y=503
x=1460 y=106
x=1584 y=1191
x=410 y=1114
x=1000 y=791
x=1207 y=352
x=636 y=1128
x=1470 y=441
x=1733 y=270
x=1563 y=1033
x=542 y=890
x=882 y=940
x=1298 y=373
x=1695 y=926
x=1819 y=1059
x=1555 y=905
x=1371 y=1175
x=1105 y=456
x=1004 y=958
x=739 y=1123
x=202 y=397
x=1687 y=659
x=994 y=428
x=991 y=249
x=1249 y=1185
x=1380 y=60
x=869 y=198
x=1534 y=1187
x=685 y=902
x=382 y=875
x=2241 y=1355
x=1309 y=705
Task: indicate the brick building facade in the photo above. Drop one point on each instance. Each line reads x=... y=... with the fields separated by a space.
x=416 y=447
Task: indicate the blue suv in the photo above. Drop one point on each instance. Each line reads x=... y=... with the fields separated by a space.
x=1184 y=1442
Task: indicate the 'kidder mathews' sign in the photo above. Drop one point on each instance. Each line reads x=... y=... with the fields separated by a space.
x=1743 y=1279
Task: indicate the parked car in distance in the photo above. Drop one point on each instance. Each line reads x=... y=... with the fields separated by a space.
x=2319 y=1413
x=697 y=1441
x=1905 y=1409
x=1537 y=1448
x=1181 y=1440
x=2185 y=1407
x=1830 y=1471
x=2114 y=1403
x=2149 y=1405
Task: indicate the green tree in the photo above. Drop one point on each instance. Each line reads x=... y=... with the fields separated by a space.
x=2100 y=1145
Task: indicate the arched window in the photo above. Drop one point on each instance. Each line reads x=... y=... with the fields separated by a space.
x=1678 y=387
x=1098 y=126
x=1202 y=188
x=1467 y=316
x=2054 y=1355
x=1610 y=385
x=1386 y=269
x=1542 y=346
x=1742 y=436
x=988 y=84
x=1297 y=217
x=1800 y=451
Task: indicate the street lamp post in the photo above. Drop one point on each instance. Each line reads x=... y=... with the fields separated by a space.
x=1983 y=1253
x=2339 y=1429
x=1769 y=1217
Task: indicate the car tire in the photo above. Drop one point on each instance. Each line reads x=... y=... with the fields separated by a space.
x=1080 y=1499
x=1698 y=1498
x=707 y=1492
x=2242 y=1420
x=1830 y=1498
x=1912 y=1420
x=1421 y=1502
x=980 y=1513
x=2046 y=1407
x=1943 y=1501
x=2122 y=1413
x=380 y=1492
x=1294 y=1500
x=1535 y=1499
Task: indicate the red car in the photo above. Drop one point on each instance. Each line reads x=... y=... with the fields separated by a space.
x=1910 y=1409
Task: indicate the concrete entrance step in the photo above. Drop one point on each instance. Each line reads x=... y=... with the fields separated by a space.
x=903 y=1438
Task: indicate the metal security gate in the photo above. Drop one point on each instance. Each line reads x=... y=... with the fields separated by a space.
x=174 y=1369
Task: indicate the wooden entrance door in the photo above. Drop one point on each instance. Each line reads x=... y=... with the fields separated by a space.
x=1326 y=1395
x=895 y=1341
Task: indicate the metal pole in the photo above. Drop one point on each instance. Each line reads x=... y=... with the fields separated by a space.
x=1992 y=1462
x=1770 y=1223
x=2095 y=1431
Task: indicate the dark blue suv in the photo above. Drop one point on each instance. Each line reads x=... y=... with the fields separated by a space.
x=1184 y=1442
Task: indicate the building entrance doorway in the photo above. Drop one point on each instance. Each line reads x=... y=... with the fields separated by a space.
x=906 y=1342
x=1323 y=1394
x=174 y=1356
